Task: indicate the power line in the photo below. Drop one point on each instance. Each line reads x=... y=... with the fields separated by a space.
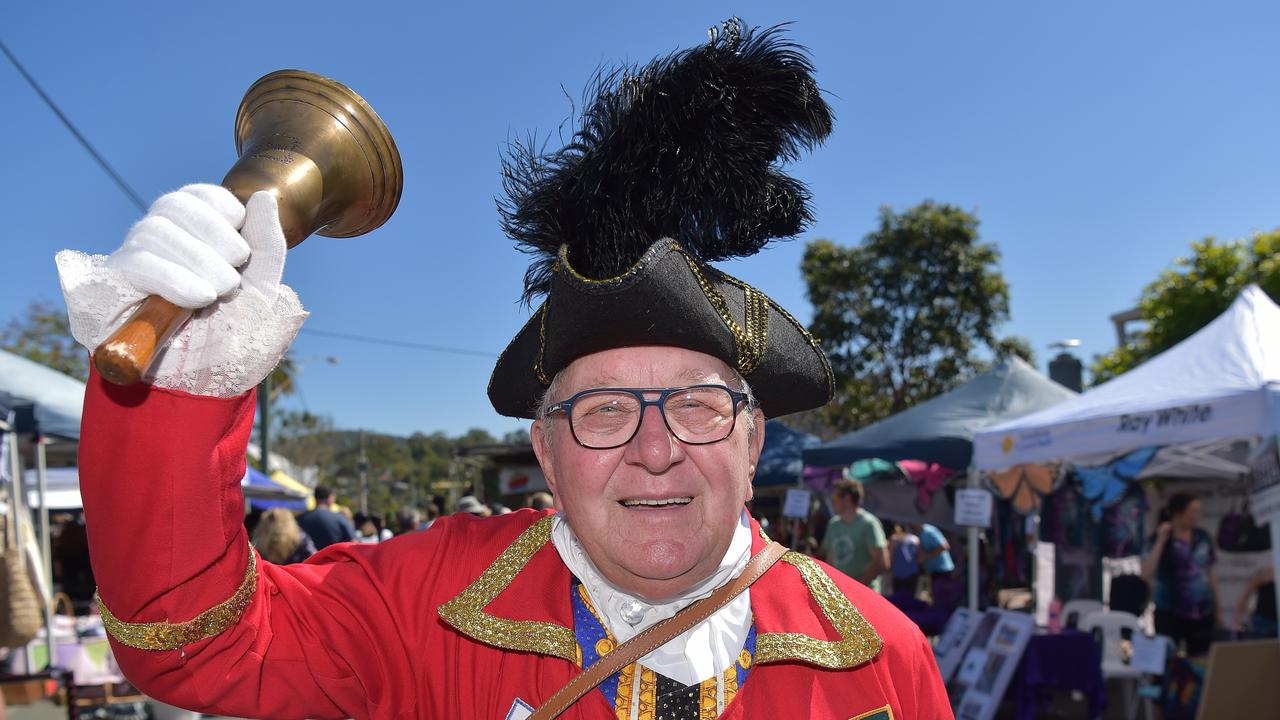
x=102 y=162
x=142 y=206
x=399 y=343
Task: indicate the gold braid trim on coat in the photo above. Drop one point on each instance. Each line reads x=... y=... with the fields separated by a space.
x=165 y=635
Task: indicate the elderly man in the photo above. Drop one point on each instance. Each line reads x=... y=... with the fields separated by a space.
x=648 y=375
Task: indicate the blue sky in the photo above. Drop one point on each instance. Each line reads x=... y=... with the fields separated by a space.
x=1094 y=140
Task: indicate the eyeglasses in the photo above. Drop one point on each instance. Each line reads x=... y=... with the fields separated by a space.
x=604 y=418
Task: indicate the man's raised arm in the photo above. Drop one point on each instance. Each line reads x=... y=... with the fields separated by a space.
x=196 y=619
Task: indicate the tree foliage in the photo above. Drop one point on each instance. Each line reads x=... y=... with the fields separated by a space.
x=906 y=314
x=1187 y=296
x=399 y=471
x=43 y=334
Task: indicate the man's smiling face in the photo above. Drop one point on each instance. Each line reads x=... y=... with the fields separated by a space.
x=655 y=515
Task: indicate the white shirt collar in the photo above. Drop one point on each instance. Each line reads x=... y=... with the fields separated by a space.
x=701 y=652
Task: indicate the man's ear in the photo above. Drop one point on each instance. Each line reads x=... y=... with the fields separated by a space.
x=757 y=440
x=540 y=435
x=756 y=445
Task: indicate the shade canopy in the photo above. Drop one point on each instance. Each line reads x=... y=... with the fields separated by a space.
x=941 y=430
x=63 y=489
x=780 y=460
x=276 y=490
x=57 y=398
x=1223 y=382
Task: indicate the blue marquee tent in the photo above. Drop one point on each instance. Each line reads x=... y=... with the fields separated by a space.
x=780 y=460
x=941 y=430
x=264 y=493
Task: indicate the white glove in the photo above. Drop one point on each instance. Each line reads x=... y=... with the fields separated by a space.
x=191 y=249
x=189 y=245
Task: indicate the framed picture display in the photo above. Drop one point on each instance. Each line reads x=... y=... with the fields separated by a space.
x=989 y=660
x=954 y=640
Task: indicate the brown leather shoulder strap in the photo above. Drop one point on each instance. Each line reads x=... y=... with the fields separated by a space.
x=656 y=636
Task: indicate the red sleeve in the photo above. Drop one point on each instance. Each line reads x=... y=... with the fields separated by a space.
x=160 y=476
x=929 y=695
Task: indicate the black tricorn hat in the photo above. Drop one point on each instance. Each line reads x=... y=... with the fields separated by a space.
x=675 y=165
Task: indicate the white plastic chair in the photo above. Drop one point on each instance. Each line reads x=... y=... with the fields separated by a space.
x=1075 y=610
x=1111 y=624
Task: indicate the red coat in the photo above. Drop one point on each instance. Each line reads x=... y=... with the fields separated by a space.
x=455 y=622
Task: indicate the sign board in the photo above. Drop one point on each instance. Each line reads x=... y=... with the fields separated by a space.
x=797 y=503
x=1238 y=681
x=1044 y=582
x=1265 y=505
x=1264 y=465
x=1149 y=653
x=973 y=507
x=1264 y=469
x=516 y=479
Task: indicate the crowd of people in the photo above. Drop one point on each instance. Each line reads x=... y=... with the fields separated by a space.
x=914 y=559
x=907 y=559
x=283 y=536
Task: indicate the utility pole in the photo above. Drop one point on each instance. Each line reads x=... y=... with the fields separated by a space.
x=264 y=422
x=455 y=473
x=362 y=465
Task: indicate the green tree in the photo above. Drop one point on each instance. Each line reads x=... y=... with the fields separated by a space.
x=400 y=471
x=303 y=437
x=283 y=377
x=519 y=436
x=906 y=314
x=1192 y=293
x=43 y=334
x=476 y=437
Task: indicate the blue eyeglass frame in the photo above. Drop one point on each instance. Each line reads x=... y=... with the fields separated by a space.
x=566 y=406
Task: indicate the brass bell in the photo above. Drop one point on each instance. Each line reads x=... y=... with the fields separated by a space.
x=332 y=165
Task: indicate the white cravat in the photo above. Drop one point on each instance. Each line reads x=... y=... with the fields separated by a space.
x=702 y=651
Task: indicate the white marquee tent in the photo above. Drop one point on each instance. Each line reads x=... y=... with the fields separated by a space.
x=1220 y=384
x=57 y=398
x=1204 y=402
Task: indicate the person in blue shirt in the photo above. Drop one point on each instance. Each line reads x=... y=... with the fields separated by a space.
x=324 y=524
x=935 y=552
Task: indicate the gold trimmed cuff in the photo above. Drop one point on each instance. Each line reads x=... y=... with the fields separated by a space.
x=165 y=635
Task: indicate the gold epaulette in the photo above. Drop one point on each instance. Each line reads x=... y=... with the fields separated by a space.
x=165 y=635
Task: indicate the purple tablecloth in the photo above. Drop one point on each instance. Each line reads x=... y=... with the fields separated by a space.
x=1069 y=660
x=931 y=619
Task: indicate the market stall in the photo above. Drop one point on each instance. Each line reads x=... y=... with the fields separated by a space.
x=40 y=406
x=941 y=430
x=1222 y=383
x=1196 y=408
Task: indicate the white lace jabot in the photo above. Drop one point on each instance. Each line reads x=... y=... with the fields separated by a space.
x=222 y=351
x=704 y=650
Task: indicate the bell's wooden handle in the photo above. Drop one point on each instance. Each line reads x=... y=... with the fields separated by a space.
x=123 y=358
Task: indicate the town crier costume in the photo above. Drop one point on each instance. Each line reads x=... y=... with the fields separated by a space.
x=648 y=374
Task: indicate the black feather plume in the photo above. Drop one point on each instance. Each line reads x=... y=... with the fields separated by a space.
x=689 y=146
